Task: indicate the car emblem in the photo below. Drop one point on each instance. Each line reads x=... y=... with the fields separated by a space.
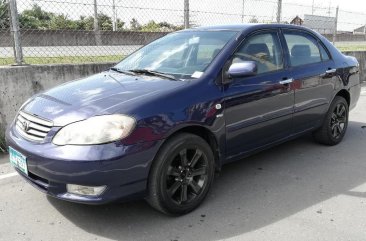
x=26 y=125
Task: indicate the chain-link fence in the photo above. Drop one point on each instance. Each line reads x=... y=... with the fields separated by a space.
x=80 y=31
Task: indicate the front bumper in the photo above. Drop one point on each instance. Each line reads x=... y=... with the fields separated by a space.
x=124 y=169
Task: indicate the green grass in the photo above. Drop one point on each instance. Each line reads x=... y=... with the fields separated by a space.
x=345 y=48
x=64 y=59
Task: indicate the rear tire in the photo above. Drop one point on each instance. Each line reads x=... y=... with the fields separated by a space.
x=335 y=123
x=181 y=175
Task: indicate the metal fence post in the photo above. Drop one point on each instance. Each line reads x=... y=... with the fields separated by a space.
x=96 y=24
x=114 y=18
x=335 y=26
x=98 y=40
x=242 y=12
x=186 y=14
x=14 y=27
x=279 y=10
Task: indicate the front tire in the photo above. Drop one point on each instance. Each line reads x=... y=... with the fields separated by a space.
x=335 y=123
x=181 y=174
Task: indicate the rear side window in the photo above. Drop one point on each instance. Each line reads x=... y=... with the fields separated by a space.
x=303 y=49
x=324 y=53
x=264 y=49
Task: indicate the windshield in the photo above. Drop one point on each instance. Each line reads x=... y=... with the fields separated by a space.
x=184 y=55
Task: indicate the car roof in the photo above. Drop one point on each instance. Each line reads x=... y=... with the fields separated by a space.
x=247 y=26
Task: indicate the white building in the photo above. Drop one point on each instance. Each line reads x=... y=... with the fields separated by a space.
x=321 y=24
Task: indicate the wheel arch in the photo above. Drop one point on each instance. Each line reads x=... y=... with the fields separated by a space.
x=205 y=134
x=345 y=94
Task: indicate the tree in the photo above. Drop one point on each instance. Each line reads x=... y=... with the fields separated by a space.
x=120 y=24
x=135 y=25
x=62 y=22
x=105 y=23
x=4 y=15
x=253 y=20
x=35 y=18
x=165 y=26
x=85 y=23
x=151 y=26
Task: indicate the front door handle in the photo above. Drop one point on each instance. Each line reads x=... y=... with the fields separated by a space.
x=286 y=81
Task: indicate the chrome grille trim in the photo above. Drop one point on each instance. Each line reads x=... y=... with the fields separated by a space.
x=36 y=119
x=32 y=127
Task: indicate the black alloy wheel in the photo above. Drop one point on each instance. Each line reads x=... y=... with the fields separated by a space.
x=181 y=175
x=335 y=123
x=338 y=120
x=186 y=175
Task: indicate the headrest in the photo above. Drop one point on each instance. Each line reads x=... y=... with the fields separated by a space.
x=253 y=49
x=300 y=51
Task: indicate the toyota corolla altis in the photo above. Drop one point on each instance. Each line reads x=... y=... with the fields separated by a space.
x=159 y=123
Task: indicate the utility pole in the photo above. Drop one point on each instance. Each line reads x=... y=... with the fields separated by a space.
x=335 y=26
x=312 y=8
x=242 y=12
x=279 y=10
x=329 y=12
x=18 y=52
x=114 y=19
x=186 y=14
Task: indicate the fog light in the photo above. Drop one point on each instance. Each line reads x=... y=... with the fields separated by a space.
x=85 y=190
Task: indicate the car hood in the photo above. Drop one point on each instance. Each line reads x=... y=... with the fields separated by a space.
x=103 y=93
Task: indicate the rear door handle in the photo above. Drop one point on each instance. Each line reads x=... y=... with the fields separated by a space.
x=330 y=71
x=286 y=81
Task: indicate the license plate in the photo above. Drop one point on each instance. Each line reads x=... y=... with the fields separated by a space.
x=18 y=160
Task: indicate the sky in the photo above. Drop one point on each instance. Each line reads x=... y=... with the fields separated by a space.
x=352 y=13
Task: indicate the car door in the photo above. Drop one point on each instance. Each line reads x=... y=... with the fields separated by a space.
x=258 y=109
x=312 y=70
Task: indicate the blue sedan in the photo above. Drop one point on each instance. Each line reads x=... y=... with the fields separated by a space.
x=160 y=123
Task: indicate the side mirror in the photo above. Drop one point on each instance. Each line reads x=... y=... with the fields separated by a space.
x=242 y=69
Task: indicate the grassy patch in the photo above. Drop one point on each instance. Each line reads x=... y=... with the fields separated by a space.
x=64 y=59
x=352 y=48
x=345 y=47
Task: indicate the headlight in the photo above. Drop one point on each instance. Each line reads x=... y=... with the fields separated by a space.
x=95 y=130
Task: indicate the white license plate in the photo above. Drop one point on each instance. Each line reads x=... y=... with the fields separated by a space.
x=18 y=160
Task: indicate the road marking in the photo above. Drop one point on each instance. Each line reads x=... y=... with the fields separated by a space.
x=8 y=175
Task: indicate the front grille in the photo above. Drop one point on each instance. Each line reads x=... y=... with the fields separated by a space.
x=32 y=127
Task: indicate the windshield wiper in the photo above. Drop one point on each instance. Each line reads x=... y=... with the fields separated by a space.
x=122 y=71
x=152 y=72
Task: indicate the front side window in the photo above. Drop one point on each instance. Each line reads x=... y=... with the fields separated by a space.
x=264 y=49
x=185 y=55
x=303 y=49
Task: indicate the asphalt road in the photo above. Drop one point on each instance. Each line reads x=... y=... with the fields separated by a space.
x=299 y=190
